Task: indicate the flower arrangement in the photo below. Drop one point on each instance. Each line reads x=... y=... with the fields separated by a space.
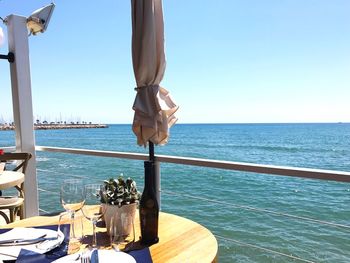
x=120 y=192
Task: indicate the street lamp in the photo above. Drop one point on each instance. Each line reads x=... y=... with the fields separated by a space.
x=36 y=23
x=18 y=30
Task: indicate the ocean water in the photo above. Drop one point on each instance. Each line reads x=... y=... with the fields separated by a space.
x=231 y=204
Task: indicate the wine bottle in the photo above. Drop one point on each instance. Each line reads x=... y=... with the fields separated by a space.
x=149 y=207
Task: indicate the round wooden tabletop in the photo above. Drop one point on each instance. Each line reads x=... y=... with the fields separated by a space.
x=10 y=179
x=183 y=240
x=180 y=239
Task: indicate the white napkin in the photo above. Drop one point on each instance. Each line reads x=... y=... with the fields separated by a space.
x=10 y=252
x=69 y=258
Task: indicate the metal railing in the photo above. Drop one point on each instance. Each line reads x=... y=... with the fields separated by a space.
x=331 y=175
x=339 y=176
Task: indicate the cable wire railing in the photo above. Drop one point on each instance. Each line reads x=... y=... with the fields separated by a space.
x=261 y=210
x=256 y=168
x=231 y=205
x=245 y=207
x=339 y=176
x=263 y=249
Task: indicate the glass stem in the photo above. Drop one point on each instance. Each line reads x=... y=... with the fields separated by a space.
x=94 y=239
x=72 y=227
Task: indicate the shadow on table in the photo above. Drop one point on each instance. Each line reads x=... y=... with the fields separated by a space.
x=140 y=252
x=103 y=240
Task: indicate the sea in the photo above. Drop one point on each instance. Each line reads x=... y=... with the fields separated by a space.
x=255 y=217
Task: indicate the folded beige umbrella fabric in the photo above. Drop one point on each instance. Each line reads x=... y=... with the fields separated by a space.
x=153 y=106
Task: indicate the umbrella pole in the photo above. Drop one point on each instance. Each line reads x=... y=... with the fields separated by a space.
x=156 y=170
x=151 y=150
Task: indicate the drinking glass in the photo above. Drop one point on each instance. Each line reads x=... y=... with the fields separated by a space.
x=74 y=243
x=72 y=200
x=121 y=230
x=92 y=209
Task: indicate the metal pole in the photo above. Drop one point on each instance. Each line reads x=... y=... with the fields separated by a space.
x=151 y=150
x=156 y=171
x=157 y=182
x=22 y=106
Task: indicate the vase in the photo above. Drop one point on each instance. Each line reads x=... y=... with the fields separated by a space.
x=114 y=212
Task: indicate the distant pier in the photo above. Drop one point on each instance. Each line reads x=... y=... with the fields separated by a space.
x=55 y=126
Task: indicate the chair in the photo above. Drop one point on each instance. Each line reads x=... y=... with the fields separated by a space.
x=14 y=203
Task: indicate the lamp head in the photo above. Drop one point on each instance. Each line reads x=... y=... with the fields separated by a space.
x=38 y=21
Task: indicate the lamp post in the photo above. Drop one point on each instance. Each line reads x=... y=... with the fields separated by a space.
x=18 y=27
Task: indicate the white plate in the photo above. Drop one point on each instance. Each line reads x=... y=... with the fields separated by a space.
x=107 y=256
x=11 y=252
x=104 y=256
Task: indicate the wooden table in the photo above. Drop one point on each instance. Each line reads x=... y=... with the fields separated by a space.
x=180 y=239
x=10 y=179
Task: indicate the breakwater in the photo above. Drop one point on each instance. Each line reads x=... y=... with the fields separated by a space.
x=6 y=127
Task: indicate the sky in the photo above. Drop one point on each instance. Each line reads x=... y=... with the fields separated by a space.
x=228 y=61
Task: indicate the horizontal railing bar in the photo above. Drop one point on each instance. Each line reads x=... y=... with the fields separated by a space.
x=339 y=176
x=331 y=175
x=124 y=155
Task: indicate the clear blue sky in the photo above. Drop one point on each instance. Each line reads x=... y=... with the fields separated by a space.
x=227 y=60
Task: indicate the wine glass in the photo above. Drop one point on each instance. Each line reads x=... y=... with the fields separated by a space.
x=92 y=209
x=72 y=200
x=73 y=245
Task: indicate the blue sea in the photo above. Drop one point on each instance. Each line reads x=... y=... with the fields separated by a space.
x=231 y=204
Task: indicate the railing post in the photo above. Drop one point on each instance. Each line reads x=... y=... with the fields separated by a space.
x=157 y=182
x=22 y=106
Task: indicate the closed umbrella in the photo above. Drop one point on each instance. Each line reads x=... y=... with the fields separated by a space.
x=153 y=106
